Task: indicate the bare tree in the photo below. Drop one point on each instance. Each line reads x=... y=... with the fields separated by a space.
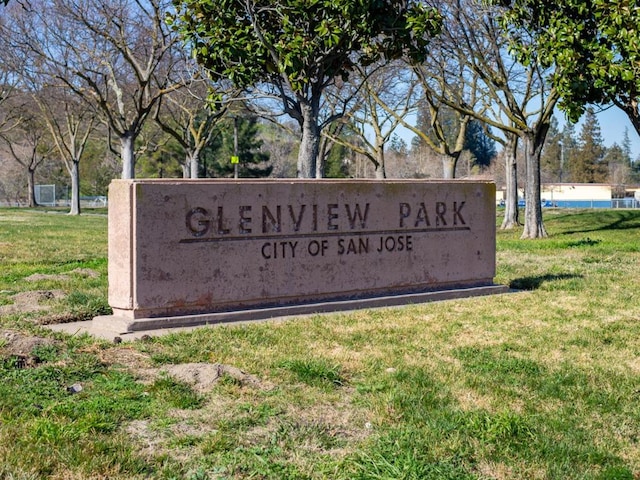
x=444 y=81
x=11 y=64
x=70 y=123
x=12 y=181
x=28 y=144
x=117 y=55
x=383 y=99
x=515 y=98
x=190 y=114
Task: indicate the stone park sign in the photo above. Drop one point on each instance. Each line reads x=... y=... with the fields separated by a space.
x=200 y=251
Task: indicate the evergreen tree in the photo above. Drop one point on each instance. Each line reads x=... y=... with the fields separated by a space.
x=335 y=165
x=635 y=171
x=398 y=145
x=589 y=166
x=162 y=162
x=552 y=153
x=568 y=152
x=252 y=161
x=626 y=146
x=481 y=146
x=476 y=140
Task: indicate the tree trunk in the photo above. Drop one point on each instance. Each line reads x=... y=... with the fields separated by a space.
x=310 y=144
x=194 y=161
x=449 y=166
x=75 y=188
x=511 y=213
x=320 y=164
x=126 y=152
x=630 y=107
x=381 y=169
x=31 y=187
x=533 y=224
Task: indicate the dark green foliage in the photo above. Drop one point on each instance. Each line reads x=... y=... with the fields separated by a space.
x=216 y=159
x=335 y=165
x=481 y=146
x=552 y=154
x=588 y=165
x=306 y=42
x=164 y=162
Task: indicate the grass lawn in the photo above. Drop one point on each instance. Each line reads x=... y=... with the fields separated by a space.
x=543 y=383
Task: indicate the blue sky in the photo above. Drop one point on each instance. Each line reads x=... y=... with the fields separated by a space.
x=613 y=123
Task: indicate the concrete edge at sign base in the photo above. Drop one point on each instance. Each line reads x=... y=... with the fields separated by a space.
x=110 y=326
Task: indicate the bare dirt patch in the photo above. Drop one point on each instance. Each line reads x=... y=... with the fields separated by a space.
x=86 y=272
x=61 y=277
x=31 y=301
x=203 y=376
x=22 y=347
x=126 y=357
x=38 y=277
x=200 y=376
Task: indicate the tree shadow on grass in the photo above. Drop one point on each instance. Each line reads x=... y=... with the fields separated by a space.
x=533 y=283
x=622 y=220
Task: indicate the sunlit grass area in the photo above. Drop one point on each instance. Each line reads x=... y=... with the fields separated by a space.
x=541 y=383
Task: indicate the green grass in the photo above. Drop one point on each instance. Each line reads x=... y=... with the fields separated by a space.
x=543 y=383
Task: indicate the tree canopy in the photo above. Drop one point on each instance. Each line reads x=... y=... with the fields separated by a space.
x=307 y=43
x=594 y=44
x=301 y=47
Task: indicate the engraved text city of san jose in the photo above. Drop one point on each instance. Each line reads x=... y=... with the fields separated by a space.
x=293 y=231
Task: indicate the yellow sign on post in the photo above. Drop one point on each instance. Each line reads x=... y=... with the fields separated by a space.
x=235 y=159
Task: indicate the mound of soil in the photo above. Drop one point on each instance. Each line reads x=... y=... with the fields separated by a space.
x=200 y=376
x=22 y=347
x=30 y=301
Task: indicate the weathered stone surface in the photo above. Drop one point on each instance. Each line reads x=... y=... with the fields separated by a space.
x=200 y=246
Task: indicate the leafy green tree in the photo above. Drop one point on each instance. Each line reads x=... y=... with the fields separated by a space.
x=592 y=43
x=301 y=47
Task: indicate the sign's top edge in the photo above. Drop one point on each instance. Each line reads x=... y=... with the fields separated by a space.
x=293 y=181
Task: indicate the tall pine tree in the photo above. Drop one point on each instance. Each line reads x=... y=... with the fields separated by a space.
x=552 y=154
x=589 y=165
x=253 y=163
